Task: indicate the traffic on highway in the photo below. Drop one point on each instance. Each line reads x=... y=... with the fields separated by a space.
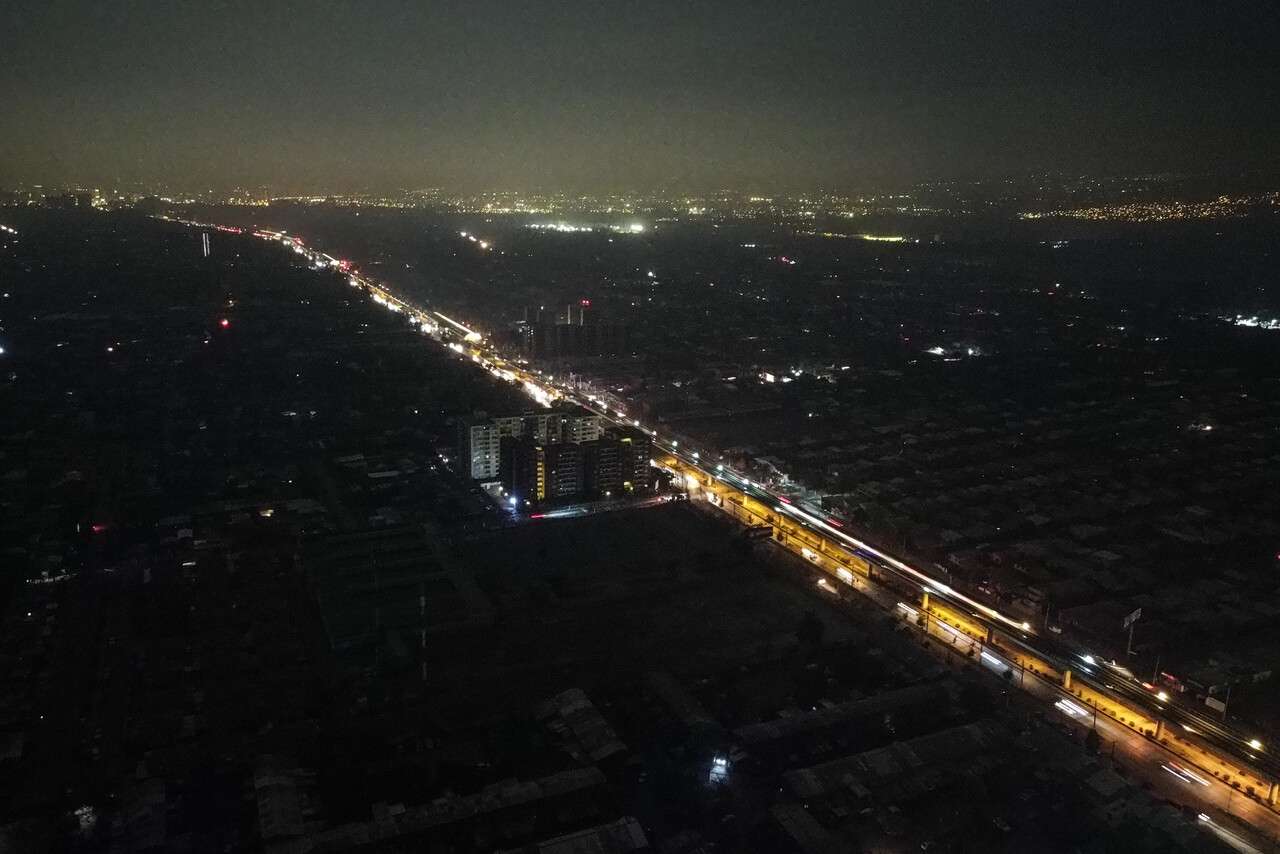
x=1207 y=747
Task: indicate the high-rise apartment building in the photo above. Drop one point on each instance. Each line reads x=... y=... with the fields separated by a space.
x=524 y=468
x=479 y=443
x=480 y=437
x=602 y=467
x=636 y=447
x=564 y=470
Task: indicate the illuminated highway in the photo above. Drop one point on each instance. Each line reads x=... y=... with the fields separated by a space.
x=1215 y=747
x=1230 y=763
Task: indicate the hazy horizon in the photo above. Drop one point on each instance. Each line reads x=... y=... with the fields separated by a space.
x=589 y=98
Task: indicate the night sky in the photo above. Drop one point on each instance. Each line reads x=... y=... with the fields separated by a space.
x=625 y=94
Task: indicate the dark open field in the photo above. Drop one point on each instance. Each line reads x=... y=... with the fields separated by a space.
x=599 y=600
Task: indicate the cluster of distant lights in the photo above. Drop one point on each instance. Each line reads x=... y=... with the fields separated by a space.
x=568 y=228
x=942 y=351
x=483 y=244
x=559 y=226
x=874 y=238
x=1149 y=211
x=1254 y=321
x=790 y=375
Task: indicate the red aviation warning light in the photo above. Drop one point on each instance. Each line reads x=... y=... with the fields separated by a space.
x=224 y=323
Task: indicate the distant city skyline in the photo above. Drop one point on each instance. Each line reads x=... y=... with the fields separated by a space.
x=588 y=97
x=1203 y=187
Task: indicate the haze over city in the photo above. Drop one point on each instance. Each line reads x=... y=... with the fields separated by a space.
x=340 y=96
